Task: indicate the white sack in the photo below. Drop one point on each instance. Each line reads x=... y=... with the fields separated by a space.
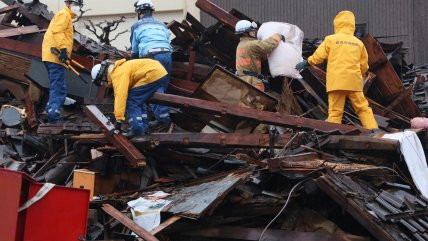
x=283 y=60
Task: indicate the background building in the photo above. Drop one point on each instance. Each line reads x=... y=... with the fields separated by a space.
x=166 y=10
x=405 y=19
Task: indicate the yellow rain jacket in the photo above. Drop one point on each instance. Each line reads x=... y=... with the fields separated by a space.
x=127 y=75
x=60 y=34
x=346 y=55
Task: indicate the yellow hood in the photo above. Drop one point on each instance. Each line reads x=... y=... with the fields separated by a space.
x=344 y=23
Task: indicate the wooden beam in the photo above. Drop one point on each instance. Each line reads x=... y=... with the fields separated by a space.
x=125 y=147
x=265 y=117
x=165 y=224
x=362 y=143
x=123 y=219
x=218 y=13
x=20 y=31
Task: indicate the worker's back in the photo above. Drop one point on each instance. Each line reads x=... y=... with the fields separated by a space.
x=346 y=55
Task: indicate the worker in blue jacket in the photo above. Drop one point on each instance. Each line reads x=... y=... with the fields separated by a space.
x=150 y=39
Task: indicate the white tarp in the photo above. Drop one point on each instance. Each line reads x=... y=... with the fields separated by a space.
x=283 y=60
x=414 y=155
x=146 y=211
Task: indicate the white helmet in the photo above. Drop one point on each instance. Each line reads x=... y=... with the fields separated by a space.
x=245 y=26
x=95 y=71
x=144 y=5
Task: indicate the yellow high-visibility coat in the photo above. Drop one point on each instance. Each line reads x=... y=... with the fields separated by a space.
x=60 y=35
x=346 y=55
x=127 y=75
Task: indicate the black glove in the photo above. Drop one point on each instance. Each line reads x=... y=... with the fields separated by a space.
x=118 y=125
x=135 y=56
x=302 y=65
x=63 y=57
x=283 y=38
x=117 y=128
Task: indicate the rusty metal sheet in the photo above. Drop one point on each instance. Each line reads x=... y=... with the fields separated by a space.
x=256 y=115
x=210 y=140
x=123 y=219
x=253 y=234
x=124 y=146
x=194 y=201
x=387 y=85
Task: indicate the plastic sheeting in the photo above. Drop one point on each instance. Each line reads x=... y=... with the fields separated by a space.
x=283 y=60
x=414 y=155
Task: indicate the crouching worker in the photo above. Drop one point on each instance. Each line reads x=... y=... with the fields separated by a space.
x=347 y=62
x=134 y=82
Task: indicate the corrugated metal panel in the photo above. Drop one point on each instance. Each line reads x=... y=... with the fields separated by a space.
x=384 y=18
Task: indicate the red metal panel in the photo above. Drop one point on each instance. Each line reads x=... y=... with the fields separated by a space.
x=10 y=188
x=61 y=215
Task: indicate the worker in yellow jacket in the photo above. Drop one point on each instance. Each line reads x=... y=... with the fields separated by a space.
x=250 y=51
x=134 y=82
x=347 y=62
x=59 y=35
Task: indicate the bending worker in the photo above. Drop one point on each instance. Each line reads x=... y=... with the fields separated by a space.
x=347 y=62
x=134 y=82
x=250 y=51
x=150 y=39
x=60 y=35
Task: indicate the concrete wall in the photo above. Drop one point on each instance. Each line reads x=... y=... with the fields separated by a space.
x=166 y=10
x=403 y=18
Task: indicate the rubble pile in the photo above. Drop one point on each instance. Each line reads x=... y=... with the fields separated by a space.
x=237 y=164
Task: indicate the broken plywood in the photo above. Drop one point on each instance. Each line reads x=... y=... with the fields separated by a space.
x=192 y=202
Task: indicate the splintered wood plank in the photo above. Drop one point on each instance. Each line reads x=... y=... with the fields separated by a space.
x=387 y=85
x=123 y=219
x=165 y=224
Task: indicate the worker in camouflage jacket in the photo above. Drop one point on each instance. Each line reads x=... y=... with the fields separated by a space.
x=347 y=63
x=134 y=82
x=150 y=39
x=250 y=51
x=60 y=35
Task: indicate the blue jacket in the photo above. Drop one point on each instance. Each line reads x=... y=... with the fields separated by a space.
x=147 y=34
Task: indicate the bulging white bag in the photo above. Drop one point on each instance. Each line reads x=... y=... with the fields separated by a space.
x=283 y=60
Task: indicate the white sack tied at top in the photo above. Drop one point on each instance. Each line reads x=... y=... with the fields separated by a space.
x=283 y=60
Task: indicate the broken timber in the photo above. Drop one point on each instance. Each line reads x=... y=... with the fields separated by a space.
x=123 y=145
x=211 y=140
x=256 y=115
x=362 y=143
x=207 y=6
x=128 y=223
x=388 y=84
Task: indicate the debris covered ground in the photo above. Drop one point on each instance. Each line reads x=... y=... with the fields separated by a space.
x=237 y=163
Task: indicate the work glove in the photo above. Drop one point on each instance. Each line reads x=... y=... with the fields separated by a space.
x=63 y=57
x=302 y=65
x=117 y=128
x=135 y=56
